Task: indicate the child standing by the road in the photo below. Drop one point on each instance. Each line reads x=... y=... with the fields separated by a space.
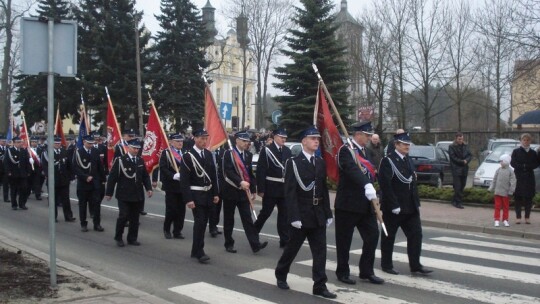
x=503 y=185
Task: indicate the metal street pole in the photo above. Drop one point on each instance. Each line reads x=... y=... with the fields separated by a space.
x=139 y=93
x=50 y=152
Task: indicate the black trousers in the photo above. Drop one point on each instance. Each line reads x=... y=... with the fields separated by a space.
x=61 y=198
x=268 y=205
x=89 y=199
x=244 y=211
x=521 y=201
x=175 y=212
x=412 y=228
x=214 y=215
x=459 y=182
x=19 y=188
x=366 y=223
x=5 y=187
x=201 y=213
x=317 y=244
x=127 y=211
x=34 y=181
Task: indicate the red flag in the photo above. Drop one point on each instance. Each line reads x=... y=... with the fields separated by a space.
x=58 y=131
x=113 y=132
x=212 y=122
x=26 y=141
x=330 y=139
x=155 y=141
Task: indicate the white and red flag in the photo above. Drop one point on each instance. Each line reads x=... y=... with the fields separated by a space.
x=58 y=131
x=330 y=139
x=212 y=122
x=155 y=141
x=113 y=131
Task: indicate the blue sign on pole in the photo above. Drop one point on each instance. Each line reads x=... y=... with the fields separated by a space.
x=276 y=116
x=225 y=109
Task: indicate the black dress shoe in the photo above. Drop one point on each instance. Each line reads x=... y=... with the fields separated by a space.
x=347 y=280
x=71 y=219
x=457 y=205
x=39 y=198
x=204 y=259
x=422 y=270
x=14 y=208
x=390 y=270
x=373 y=279
x=282 y=244
x=143 y=213
x=23 y=208
x=134 y=243
x=120 y=243
x=179 y=236
x=55 y=220
x=7 y=201
x=325 y=294
x=230 y=249
x=84 y=229
x=282 y=285
x=213 y=233
x=98 y=228
x=261 y=246
x=167 y=235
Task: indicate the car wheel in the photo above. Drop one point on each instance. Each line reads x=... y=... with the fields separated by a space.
x=439 y=182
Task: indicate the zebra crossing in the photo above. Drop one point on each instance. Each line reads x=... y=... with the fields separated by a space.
x=488 y=265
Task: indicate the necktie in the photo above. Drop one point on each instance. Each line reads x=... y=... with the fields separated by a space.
x=242 y=155
x=279 y=149
x=312 y=160
x=202 y=155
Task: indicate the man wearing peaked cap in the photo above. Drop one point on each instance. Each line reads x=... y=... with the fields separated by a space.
x=129 y=177
x=170 y=163
x=200 y=133
x=35 y=182
x=309 y=213
x=270 y=184
x=90 y=173
x=17 y=167
x=400 y=205
x=122 y=146
x=239 y=181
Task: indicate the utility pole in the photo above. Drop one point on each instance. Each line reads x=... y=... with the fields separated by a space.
x=139 y=93
x=243 y=40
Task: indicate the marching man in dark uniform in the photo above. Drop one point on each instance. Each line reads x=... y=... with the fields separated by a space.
x=270 y=179
x=62 y=178
x=34 y=180
x=128 y=174
x=353 y=206
x=200 y=191
x=90 y=176
x=3 y=176
x=170 y=163
x=102 y=151
x=17 y=166
x=308 y=203
x=239 y=183
x=400 y=204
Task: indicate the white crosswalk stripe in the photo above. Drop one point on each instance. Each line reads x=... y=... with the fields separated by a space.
x=449 y=289
x=492 y=245
x=209 y=293
x=305 y=285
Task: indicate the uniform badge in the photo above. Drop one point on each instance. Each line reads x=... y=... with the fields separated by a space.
x=84 y=160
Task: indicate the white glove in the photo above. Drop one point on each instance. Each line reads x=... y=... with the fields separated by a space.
x=297 y=224
x=370 y=192
x=396 y=211
x=31 y=160
x=176 y=176
x=329 y=222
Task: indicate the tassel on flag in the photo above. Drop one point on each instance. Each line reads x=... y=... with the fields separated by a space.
x=155 y=140
x=58 y=131
x=113 y=131
x=330 y=139
x=212 y=122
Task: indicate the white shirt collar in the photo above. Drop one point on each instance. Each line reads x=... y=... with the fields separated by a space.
x=307 y=155
x=400 y=155
x=239 y=150
x=277 y=146
x=197 y=149
x=357 y=144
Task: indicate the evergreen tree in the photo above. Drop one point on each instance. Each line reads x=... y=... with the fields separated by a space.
x=107 y=57
x=32 y=90
x=312 y=40
x=180 y=46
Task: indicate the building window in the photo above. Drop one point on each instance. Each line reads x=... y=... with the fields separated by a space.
x=235 y=96
x=218 y=95
x=233 y=68
x=248 y=99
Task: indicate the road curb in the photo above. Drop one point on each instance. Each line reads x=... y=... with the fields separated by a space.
x=482 y=229
x=99 y=279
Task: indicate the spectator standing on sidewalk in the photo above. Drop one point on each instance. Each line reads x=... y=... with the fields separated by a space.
x=524 y=161
x=460 y=157
x=503 y=186
x=377 y=150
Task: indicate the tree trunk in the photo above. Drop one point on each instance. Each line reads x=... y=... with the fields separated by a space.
x=5 y=92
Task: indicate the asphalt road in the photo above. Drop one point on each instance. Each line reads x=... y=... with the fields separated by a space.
x=486 y=269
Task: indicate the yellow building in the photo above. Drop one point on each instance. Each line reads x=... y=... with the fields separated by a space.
x=525 y=89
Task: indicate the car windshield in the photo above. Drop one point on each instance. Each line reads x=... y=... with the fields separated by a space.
x=494 y=156
x=500 y=143
x=422 y=152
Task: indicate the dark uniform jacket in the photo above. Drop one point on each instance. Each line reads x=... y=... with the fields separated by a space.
x=524 y=163
x=396 y=193
x=16 y=163
x=85 y=165
x=231 y=186
x=167 y=172
x=62 y=167
x=130 y=179
x=190 y=177
x=272 y=166
x=350 y=193
x=457 y=154
x=301 y=205
x=3 y=150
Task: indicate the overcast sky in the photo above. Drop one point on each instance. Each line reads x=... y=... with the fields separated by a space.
x=151 y=8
